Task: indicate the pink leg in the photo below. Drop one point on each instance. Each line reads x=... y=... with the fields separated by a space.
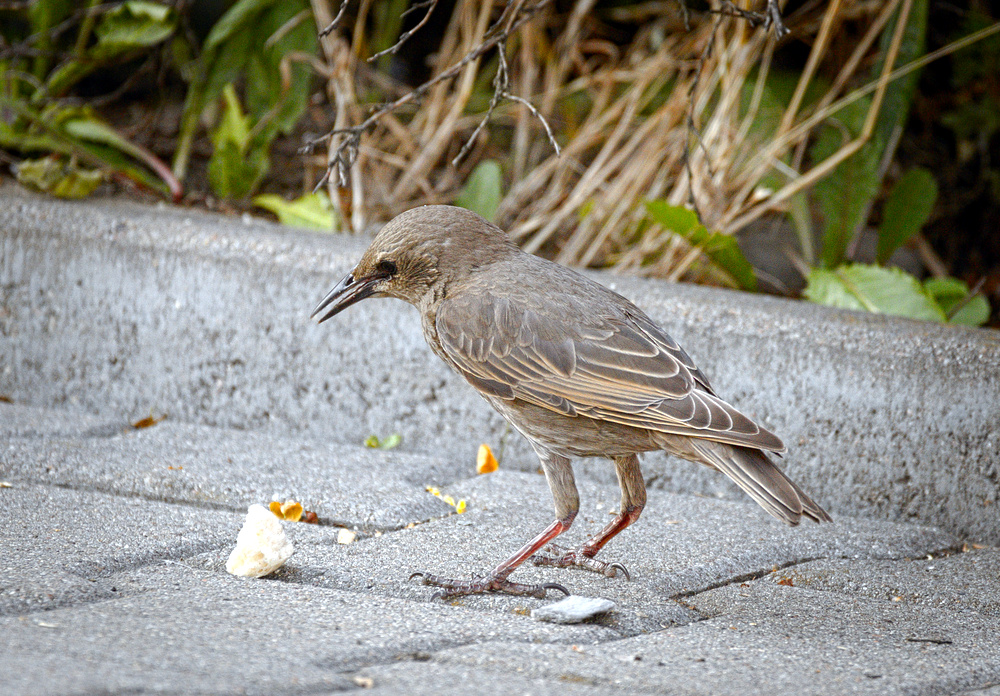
x=559 y=474
x=496 y=580
x=633 y=500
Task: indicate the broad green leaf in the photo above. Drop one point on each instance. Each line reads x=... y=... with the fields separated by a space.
x=242 y=38
x=133 y=24
x=721 y=249
x=89 y=128
x=62 y=178
x=484 y=189
x=874 y=289
x=77 y=132
x=673 y=217
x=268 y=95
x=128 y=27
x=312 y=211
x=949 y=292
x=235 y=21
x=844 y=196
x=906 y=211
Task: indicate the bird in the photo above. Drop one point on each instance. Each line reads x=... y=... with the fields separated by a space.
x=577 y=369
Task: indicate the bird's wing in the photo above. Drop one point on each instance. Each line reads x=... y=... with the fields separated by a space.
x=621 y=369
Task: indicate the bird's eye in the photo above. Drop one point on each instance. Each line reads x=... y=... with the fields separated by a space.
x=387 y=267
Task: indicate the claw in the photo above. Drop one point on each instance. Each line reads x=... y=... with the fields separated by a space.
x=556 y=586
x=623 y=569
x=566 y=558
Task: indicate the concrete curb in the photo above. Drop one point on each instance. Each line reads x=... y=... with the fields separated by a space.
x=118 y=309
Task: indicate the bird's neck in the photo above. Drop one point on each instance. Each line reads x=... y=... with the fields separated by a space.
x=428 y=322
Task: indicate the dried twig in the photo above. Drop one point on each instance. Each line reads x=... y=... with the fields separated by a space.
x=501 y=83
x=336 y=20
x=430 y=5
x=771 y=17
x=347 y=149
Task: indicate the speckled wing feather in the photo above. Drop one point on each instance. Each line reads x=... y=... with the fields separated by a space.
x=617 y=366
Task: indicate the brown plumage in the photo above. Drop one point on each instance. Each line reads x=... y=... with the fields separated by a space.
x=576 y=368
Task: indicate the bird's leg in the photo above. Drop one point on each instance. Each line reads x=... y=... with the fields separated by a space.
x=559 y=473
x=632 y=502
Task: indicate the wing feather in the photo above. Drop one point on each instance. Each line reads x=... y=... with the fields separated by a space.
x=623 y=369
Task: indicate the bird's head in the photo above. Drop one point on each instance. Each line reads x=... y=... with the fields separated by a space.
x=417 y=256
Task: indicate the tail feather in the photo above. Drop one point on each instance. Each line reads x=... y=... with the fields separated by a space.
x=761 y=480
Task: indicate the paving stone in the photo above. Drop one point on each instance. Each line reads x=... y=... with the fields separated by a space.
x=430 y=678
x=63 y=547
x=763 y=638
x=963 y=581
x=193 y=631
x=214 y=467
x=680 y=546
x=991 y=690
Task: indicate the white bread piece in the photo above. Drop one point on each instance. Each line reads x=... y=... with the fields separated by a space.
x=261 y=546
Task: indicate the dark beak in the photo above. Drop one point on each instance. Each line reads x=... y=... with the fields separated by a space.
x=347 y=292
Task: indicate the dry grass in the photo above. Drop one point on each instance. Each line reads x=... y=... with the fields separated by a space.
x=669 y=116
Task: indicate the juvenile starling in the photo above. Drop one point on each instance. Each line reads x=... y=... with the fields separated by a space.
x=576 y=368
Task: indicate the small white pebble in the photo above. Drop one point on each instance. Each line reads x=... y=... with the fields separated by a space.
x=346 y=536
x=573 y=609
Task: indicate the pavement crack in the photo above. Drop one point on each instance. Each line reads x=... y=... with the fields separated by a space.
x=758 y=574
x=744 y=577
x=109 y=567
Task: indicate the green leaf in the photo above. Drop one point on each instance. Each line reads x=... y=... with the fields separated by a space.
x=484 y=189
x=673 y=217
x=235 y=174
x=237 y=165
x=873 y=289
x=133 y=24
x=269 y=97
x=949 y=292
x=62 y=178
x=906 y=210
x=721 y=249
x=312 y=211
x=234 y=125
x=251 y=44
x=43 y=16
x=899 y=93
x=844 y=195
x=393 y=440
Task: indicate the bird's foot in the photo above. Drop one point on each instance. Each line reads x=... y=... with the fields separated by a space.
x=560 y=557
x=490 y=583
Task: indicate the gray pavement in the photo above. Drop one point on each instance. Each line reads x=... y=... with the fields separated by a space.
x=114 y=540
